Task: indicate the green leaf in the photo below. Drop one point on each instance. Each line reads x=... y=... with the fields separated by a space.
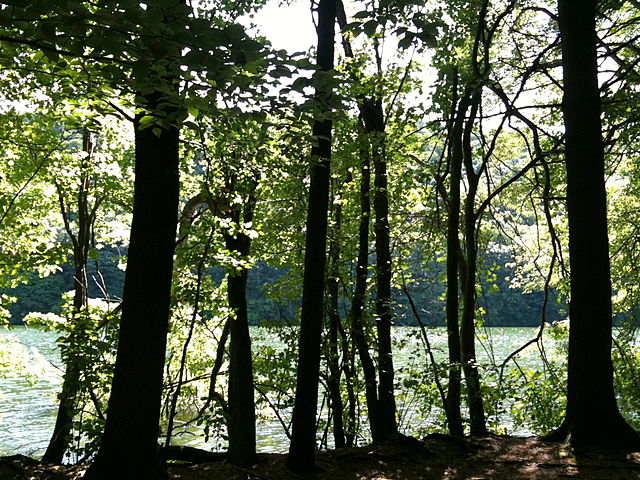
x=352 y=27
x=406 y=41
x=146 y=122
x=193 y=111
x=370 y=27
x=428 y=39
x=48 y=30
x=280 y=71
x=234 y=33
x=300 y=83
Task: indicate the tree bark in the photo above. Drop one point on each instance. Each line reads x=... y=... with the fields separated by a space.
x=129 y=448
x=242 y=425
x=379 y=391
x=467 y=325
x=454 y=420
x=374 y=122
x=592 y=416
x=301 y=456
x=356 y=315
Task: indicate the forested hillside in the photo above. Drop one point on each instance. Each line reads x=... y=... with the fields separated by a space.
x=170 y=178
x=502 y=305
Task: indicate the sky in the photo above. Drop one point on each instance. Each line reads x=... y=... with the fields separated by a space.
x=288 y=27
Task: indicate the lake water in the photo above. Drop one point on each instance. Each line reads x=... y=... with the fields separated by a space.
x=28 y=390
x=29 y=387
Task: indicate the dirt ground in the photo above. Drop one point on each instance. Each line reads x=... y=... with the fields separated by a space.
x=437 y=457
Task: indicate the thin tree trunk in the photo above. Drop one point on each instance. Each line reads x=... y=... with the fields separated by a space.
x=386 y=399
x=467 y=325
x=301 y=456
x=81 y=240
x=348 y=366
x=359 y=297
x=334 y=323
x=592 y=416
x=380 y=396
x=242 y=425
x=173 y=398
x=454 y=420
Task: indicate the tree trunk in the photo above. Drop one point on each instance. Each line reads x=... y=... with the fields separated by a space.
x=593 y=419
x=359 y=297
x=374 y=122
x=467 y=326
x=129 y=448
x=242 y=426
x=380 y=396
x=348 y=366
x=333 y=316
x=454 y=420
x=303 y=438
x=81 y=240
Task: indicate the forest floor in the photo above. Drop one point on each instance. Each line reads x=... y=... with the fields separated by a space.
x=436 y=457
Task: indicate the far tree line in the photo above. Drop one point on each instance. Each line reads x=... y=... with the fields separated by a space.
x=503 y=306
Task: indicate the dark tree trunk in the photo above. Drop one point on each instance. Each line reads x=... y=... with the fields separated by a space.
x=593 y=419
x=129 y=448
x=303 y=438
x=359 y=297
x=81 y=241
x=333 y=317
x=380 y=396
x=467 y=325
x=454 y=420
x=373 y=117
x=242 y=425
x=348 y=366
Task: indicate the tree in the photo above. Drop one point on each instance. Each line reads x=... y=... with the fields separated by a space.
x=592 y=416
x=303 y=440
x=242 y=425
x=81 y=241
x=129 y=443
x=452 y=408
x=80 y=202
x=334 y=321
x=240 y=203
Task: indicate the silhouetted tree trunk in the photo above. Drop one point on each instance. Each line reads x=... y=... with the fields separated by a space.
x=454 y=420
x=592 y=417
x=467 y=324
x=373 y=116
x=303 y=438
x=350 y=376
x=129 y=448
x=358 y=301
x=242 y=425
x=81 y=241
x=333 y=317
x=379 y=390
